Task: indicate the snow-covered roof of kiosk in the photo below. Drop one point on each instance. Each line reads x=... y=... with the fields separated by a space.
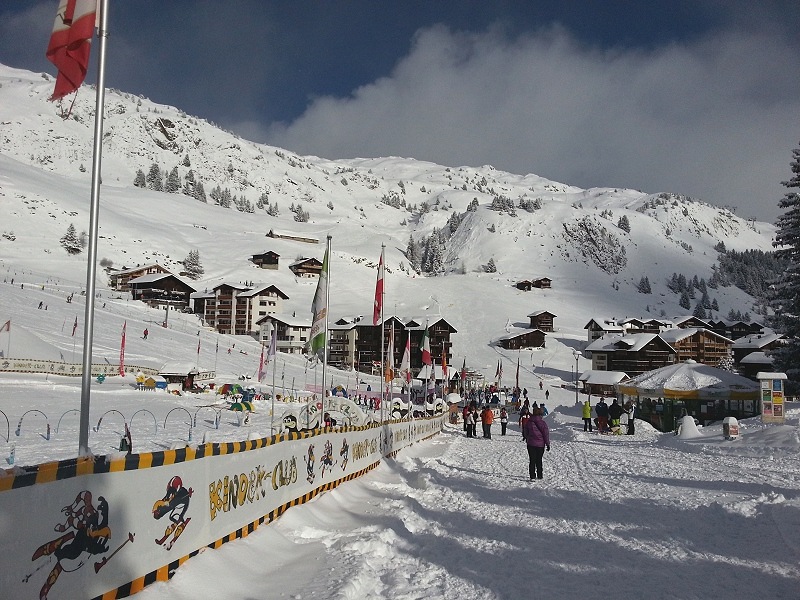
x=691 y=379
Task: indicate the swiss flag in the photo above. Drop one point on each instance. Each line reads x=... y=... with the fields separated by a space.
x=70 y=42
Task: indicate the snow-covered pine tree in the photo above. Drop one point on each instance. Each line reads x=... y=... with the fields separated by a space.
x=192 y=267
x=70 y=241
x=624 y=224
x=490 y=266
x=684 y=301
x=644 y=286
x=413 y=253
x=188 y=184
x=154 y=178
x=699 y=311
x=173 y=183
x=785 y=293
x=199 y=192
x=140 y=181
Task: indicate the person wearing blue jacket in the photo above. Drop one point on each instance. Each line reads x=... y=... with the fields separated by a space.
x=537 y=439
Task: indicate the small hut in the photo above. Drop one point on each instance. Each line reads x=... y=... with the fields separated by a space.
x=706 y=393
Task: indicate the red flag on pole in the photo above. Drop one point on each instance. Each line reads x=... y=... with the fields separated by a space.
x=425 y=346
x=444 y=365
x=464 y=369
x=378 y=306
x=122 y=351
x=74 y=325
x=6 y=326
x=70 y=43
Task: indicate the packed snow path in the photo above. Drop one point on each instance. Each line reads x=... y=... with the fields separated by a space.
x=628 y=517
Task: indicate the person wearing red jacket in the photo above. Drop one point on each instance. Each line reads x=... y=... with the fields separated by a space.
x=537 y=438
x=487 y=417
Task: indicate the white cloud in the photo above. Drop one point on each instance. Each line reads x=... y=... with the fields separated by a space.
x=712 y=118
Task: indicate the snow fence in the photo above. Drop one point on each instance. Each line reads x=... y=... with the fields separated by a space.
x=105 y=527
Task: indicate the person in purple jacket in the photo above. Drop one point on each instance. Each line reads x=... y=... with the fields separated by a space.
x=537 y=438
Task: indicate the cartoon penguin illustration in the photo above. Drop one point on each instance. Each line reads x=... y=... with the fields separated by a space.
x=175 y=503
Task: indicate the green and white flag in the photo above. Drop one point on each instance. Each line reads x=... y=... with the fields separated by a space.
x=319 y=312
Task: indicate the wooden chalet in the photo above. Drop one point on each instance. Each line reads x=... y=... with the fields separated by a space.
x=700 y=345
x=160 y=290
x=764 y=342
x=736 y=329
x=306 y=267
x=523 y=338
x=542 y=283
x=601 y=383
x=527 y=284
x=119 y=279
x=597 y=328
x=356 y=343
x=691 y=322
x=542 y=319
x=266 y=260
x=632 y=354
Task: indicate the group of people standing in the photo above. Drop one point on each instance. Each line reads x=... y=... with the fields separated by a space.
x=608 y=417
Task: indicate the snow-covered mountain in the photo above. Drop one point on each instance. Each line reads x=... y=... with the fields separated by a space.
x=595 y=244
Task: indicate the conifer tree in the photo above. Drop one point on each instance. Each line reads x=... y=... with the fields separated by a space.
x=199 y=192
x=644 y=286
x=684 y=301
x=785 y=294
x=173 y=183
x=70 y=241
x=624 y=224
x=154 y=178
x=192 y=266
x=140 y=181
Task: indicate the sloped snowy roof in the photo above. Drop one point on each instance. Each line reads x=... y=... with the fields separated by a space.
x=632 y=341
x=691 y=380
x=595 y=377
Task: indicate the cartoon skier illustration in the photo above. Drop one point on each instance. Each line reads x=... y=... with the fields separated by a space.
x=310 y=464
x=344 y=453
x=327 y=457
x=85 y=532
x=175 y=503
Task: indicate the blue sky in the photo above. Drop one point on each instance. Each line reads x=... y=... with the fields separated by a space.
x=694 y=97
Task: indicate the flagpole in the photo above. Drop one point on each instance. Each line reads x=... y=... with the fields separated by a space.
x=327 y=306
x=91 y=271
x=383 y=359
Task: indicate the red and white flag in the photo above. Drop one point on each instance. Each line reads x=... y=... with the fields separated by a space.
x=6 y=327
x=122 y=351
x=70 y=43
x=378 y=306
x=425 y=346
x=405 y=362
x=74 y=325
